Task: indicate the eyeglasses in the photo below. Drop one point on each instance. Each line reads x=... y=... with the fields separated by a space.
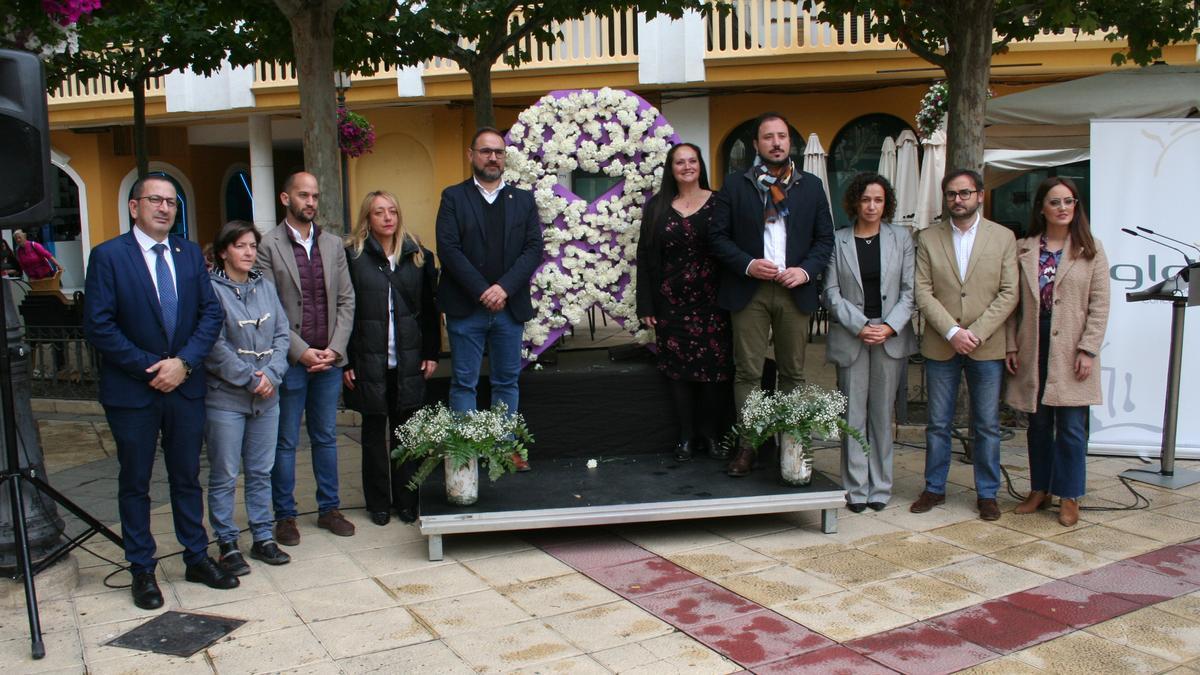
x=1059 y=203
x=159 y=200
x=489 y=152
x=964 y=195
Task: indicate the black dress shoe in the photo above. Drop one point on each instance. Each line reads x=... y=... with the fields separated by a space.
x=715 y=449
x=209 y=573
x=877 y=506
x=683 y=451
x=381 y=518
x=857 y=508
x=268 y=551
x=408 y=514
x=145 y=591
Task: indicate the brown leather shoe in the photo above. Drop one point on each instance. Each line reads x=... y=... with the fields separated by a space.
x=742 y=463
x=988 y=509
x=927 y=501
x=1068 y=512
x=1036 y=501
x=336 y=523
x=522 y=465
x=286 y=532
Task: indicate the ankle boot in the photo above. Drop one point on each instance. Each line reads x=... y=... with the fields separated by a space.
x=1068 y=512
x=1037 y=500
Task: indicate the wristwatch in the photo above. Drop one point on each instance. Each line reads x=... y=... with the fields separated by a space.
x=187 y=367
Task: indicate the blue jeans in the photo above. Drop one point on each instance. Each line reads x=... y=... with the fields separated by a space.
x=983 y=383
x=240 y=443
x=314 y=395
x=468 y=335
x=1058 y=450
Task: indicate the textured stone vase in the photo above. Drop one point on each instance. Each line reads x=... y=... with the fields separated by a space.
x=795 y=461
x=462 y=485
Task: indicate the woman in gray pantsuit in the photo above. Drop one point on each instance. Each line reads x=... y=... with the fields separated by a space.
x=869 y=293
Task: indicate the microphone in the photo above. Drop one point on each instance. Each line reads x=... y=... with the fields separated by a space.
x=1128 y=231
x=1146 y=229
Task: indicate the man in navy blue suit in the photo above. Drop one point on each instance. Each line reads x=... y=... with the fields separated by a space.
x=151 y=313
x=490 y=243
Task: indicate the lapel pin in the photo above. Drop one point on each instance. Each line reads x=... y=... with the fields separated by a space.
x=177 y=249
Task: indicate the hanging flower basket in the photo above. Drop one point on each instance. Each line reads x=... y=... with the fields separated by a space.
x=356 y=136
x=934 y=108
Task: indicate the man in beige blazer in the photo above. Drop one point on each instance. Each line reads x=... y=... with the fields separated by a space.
x=308 y=267
x=966 y=287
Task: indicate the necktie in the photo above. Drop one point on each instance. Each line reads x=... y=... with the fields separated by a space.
x=167 y=300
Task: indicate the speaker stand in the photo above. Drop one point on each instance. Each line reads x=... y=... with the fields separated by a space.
x=16 y=476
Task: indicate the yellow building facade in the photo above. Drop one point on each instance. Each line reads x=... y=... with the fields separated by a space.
x=219 y=137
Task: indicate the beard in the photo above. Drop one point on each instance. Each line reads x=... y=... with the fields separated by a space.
x=487 y=173
x=296 y=214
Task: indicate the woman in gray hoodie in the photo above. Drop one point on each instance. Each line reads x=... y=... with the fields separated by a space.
x=245 y=367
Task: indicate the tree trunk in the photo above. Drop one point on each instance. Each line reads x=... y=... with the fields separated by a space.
x=139 y=126
x=968 y=62
x=481 y=90
x=312 y=40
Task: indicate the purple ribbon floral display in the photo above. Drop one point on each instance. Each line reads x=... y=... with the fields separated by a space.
x=590 y=247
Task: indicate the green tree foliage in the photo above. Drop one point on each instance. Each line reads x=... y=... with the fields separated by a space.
x=960 y=37
x=134 y=42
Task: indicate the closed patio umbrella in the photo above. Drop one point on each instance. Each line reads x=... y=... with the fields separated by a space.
x=907 y=178
x=887 y=160
x=814 y=163
x=929 y=204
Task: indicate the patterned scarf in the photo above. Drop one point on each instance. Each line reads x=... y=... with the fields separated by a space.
x=775 y=182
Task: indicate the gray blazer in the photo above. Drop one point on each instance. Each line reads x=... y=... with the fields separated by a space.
x=844 y=294
x=278 y=263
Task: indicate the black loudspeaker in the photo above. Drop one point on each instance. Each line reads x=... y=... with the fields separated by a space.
x=25 y=172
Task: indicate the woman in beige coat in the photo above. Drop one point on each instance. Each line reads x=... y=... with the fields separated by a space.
x=1053 y=342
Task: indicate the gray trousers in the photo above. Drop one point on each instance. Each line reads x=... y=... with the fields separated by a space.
x=870 y=385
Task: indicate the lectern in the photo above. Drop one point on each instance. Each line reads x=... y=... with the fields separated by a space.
x=1181 y=294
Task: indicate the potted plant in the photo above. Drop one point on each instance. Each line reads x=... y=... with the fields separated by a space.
x=458 y=440
x=797 y=416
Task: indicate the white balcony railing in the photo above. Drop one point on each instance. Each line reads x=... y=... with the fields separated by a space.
x=748 y=29
x=594 y=40
x=76 y=90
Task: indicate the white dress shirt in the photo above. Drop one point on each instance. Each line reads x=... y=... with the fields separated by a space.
x=489 y=196
x=964 y=242
x=306 y=243
x=775 y=242
x=146 y=242
x=391 y=362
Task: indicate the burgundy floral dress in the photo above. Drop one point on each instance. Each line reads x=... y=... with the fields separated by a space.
x=694 y=337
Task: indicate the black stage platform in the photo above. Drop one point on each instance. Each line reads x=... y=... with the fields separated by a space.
x=563 y=492
x=588 y=405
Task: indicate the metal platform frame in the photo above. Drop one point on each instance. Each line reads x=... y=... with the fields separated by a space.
x=436 y=526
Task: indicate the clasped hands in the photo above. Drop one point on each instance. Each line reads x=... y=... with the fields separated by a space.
x=494 y=298
x=318 y=360
x=875 y=333
x=788 y=277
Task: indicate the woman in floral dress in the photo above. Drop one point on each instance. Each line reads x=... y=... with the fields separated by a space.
x=677 y=297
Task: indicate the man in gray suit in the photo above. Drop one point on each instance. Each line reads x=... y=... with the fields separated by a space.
x=308 y=267
x=869 y=293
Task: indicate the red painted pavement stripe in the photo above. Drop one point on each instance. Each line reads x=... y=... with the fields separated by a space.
x=755 y=637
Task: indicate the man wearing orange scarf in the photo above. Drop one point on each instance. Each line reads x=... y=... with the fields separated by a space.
x=773 y=233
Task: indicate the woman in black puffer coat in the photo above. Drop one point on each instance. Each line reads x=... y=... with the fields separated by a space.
x=393 y=348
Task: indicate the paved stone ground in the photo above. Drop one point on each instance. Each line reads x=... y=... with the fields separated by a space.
x=892 y=591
